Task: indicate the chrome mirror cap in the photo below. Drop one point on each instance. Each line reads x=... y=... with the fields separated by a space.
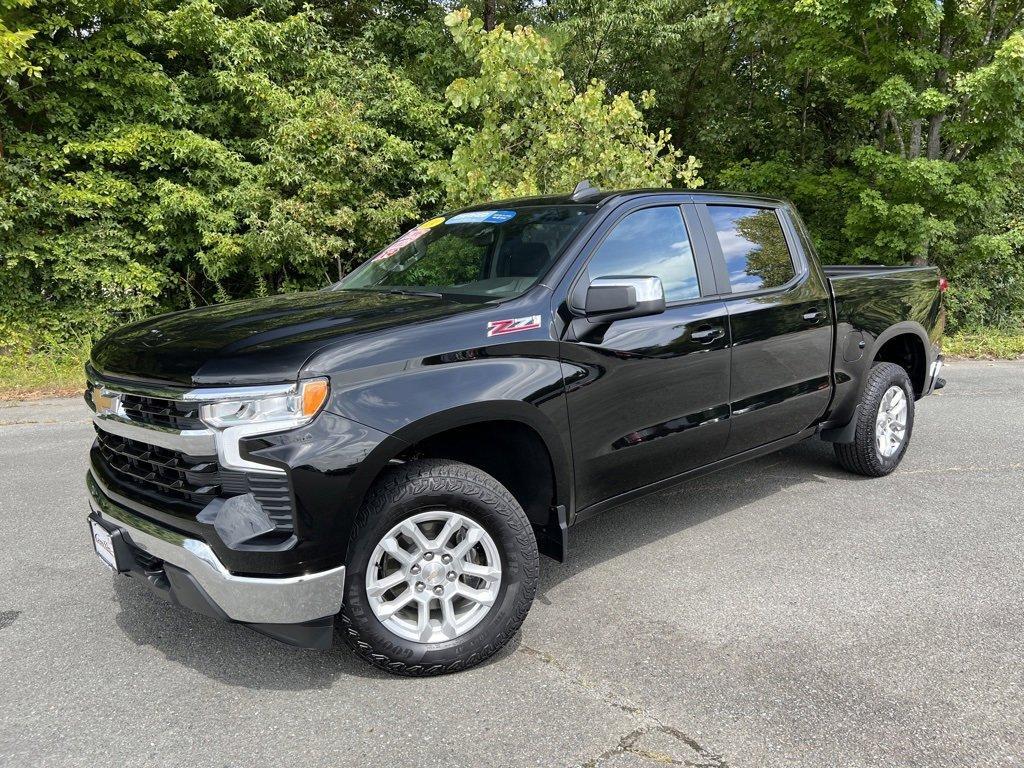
x=616 y=298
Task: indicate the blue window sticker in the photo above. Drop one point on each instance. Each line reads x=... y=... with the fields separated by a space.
x=482 y=217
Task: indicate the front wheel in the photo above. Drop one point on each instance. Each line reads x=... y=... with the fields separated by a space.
x=884 y=423
x=443 y=568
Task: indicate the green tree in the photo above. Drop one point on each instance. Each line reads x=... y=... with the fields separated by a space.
x=175 y=153
x=15 y=37
x=937 y=91
x=531 y=131
x=894 y=126
x=161 y=153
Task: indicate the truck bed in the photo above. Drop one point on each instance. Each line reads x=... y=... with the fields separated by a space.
x=871 y=301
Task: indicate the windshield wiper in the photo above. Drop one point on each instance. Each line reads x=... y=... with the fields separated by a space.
x=409 y=292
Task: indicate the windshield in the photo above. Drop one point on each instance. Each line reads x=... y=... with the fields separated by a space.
x=496 y=253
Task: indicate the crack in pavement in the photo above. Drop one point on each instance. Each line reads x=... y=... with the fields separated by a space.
x=636 y=742
x=632 y=744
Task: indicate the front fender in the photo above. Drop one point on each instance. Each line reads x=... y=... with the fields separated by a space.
x=330 y=464
x=417 y=402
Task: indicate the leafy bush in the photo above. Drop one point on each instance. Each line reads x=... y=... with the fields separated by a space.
x=178 y=154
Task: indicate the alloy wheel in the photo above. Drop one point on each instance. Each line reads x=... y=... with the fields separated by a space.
x=891 y=422
x=434 y=576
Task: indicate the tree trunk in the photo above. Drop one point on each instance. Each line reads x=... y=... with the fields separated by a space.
x=934 y=138
x=883 y=129
x=946 y=29
x=490 y=14
x=915 y=139
x=899 y=135
x=993 y=9
x=803 y=121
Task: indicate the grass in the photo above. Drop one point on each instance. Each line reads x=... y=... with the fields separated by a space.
x=59 y=374
x=986 y=344
x=42 y=374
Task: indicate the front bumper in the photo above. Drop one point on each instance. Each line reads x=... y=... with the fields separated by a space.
x=296 y=609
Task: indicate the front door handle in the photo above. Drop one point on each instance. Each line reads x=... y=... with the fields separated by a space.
x=708 y=334
x=813 y=316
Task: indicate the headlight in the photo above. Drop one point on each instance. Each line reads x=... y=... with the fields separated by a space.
x=288 y=410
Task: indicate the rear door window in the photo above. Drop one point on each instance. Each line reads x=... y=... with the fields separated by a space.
x=651 y=242
x=754 y=246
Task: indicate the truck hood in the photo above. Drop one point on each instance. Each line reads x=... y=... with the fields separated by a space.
x=256 y=341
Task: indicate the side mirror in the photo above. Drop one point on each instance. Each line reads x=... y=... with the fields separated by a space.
x=617 y=298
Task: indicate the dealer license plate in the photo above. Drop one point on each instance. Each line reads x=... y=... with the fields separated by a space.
x=104 y=546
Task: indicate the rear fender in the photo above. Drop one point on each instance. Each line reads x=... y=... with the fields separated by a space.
x=899 y=329
x=850 y=376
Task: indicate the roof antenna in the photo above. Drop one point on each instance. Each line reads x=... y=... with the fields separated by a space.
x=584 y=191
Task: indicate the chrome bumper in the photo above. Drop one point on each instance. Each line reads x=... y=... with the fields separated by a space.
x=246 y=599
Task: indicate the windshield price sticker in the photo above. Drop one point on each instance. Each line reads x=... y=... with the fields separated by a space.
x=409 y=237
x=482 y=217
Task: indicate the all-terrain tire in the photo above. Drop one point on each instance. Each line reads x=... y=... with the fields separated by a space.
x=862 y=456
x=430 y=484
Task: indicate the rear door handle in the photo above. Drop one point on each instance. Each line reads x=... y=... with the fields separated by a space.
x=813 y=315
x=707 y=334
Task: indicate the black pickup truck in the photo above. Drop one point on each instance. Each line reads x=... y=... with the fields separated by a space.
x=386 y=457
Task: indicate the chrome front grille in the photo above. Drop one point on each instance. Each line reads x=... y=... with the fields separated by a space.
x=158 y=412
x=154 y=446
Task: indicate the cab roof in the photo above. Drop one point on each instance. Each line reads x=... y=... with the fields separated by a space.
x=600 y=198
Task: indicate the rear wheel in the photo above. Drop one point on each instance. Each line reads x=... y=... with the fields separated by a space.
x=442 y=569
x=884 y=423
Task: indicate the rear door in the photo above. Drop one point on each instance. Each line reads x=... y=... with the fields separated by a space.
x=779 y=318
x=648 y=396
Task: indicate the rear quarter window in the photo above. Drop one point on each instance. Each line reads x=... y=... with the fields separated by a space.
x=754 y=246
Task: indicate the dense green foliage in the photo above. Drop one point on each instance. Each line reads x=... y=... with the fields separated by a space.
x=156 y=154
x=178 y=153
x=532 y=130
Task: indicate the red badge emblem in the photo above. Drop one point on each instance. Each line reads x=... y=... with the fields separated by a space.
x=512 y=325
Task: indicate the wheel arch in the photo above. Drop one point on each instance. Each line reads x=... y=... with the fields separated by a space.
x=906 y=344
x=488 y=435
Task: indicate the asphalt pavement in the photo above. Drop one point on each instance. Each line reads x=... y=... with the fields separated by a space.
x=780 y=613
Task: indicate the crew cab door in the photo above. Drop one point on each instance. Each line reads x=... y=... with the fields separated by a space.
x=780 y=318
x=647 y=396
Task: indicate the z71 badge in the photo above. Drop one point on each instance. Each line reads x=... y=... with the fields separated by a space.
x=513 y=325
